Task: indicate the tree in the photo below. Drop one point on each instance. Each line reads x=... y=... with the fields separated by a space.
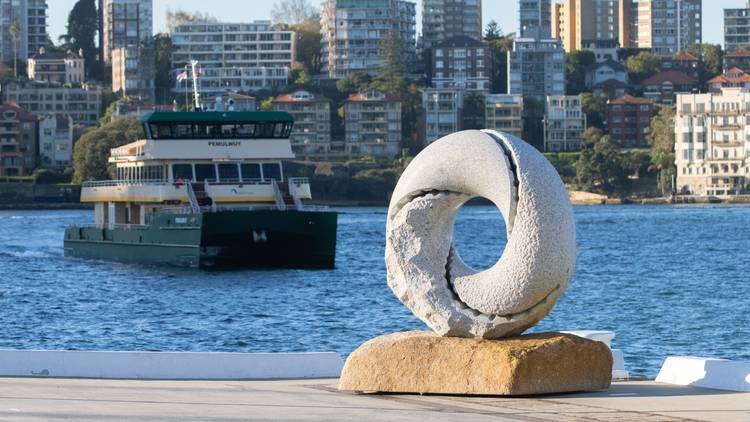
x=643 y=65
x=178 y=17
x=576 y=63
x=391 y=77
x=499 y=45
x=91 y=152
x=83 y=24
x=473 y=111
x=600 y=167
x=14 y=30
x=307 y=44
x=267 y=104
x=661 y=137
x=533 y=129
x=293 y=12
x=353 y=82
x=711 y=56
x=595 y=108
x=163 y=62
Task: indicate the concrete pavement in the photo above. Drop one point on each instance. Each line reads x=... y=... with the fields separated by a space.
x=31 y=399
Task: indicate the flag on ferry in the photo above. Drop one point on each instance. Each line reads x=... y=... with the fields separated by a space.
x=182 y=76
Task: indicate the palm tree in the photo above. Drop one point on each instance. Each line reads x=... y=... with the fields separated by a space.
x=14 y=30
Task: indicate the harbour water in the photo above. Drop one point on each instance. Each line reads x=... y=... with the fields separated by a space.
x=667 y=280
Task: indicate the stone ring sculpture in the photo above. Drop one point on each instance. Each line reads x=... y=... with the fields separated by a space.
x=426 y=272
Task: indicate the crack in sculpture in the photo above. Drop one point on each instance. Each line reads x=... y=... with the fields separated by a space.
x=533 y=272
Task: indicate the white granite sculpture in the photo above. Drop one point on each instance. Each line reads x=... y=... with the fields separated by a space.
x=425 y=271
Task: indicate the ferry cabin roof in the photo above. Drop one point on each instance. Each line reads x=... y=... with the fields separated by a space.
x=213 y=136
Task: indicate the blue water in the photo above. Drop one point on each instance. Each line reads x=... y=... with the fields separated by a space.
x=667 y=280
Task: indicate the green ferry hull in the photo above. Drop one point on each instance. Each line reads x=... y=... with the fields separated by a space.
x=244 y=239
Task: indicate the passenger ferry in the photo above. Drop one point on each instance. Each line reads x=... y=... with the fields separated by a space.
x=206 y=189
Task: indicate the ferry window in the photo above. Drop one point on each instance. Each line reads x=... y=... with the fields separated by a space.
x=278 y=130
x=264 y=130
x=271 y=171
x=250 y=172
x=205 y=172
x=182 y=171
x=229 y=173
x=246 y=130
x=164 y=131
x=228 y=131
x=183 y=131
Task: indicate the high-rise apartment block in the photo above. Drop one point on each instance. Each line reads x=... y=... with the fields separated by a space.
x=737 y=28
x=665 y=26
x=31 y=18
x=535 y=17
x=311 y=136
x=125 y=23
x=589 y=24
x=18 y=142
x=443 y=112
x=504 y=113
x=233 y=56
x=134 y=72
x=55 y=141
x=373 y=125
x=353 y=32
x=462 y=62
x=712 y=148
x=536 y=64
x=444 y=19
x=82 y=103
x=564 y=123
x=63 y=68
x=536 y=68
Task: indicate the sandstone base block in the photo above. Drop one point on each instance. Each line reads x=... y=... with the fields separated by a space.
x=425 y=363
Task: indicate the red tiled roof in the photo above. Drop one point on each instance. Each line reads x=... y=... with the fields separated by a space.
x=685 y=56
x=21 y=113
x=611 y=83
x=738 y=52
x=629 y=99
x=728 y=77
x=674 y=76
x=289 y=98
x=362 y=98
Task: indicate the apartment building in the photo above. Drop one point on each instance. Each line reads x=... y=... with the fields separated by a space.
x=504 y=113
x=739 y=57
x=536 y=63
x=588 y=24
x=564 y=123
x=233 y=56
x=712 y=142
x=684 y=62
x=629 y=120
x=737 y=27
x=535 y=18
x=373 y=125
x=18 y=141
x=536 y=68
x=353 y=31
x=31 y=17
x=666 y=26
x=56 y=141
x=443 y=112
x=662 y=87
x=125 y=23
x=311 y=135
x=605 y=71
x=445 y=19
x=731 y=78
x=134 y=73
x=63 y=68
x=462 y=62
x=82 y=103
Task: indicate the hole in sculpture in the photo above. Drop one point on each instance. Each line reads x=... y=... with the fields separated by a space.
x=479 y=234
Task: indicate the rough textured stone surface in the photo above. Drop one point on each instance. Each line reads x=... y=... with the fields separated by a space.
x=425 y=271
x=423 y=362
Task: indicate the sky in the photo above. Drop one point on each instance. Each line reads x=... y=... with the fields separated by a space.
x=505 y=12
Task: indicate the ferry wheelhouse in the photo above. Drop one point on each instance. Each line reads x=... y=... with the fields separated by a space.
x=206 y=189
